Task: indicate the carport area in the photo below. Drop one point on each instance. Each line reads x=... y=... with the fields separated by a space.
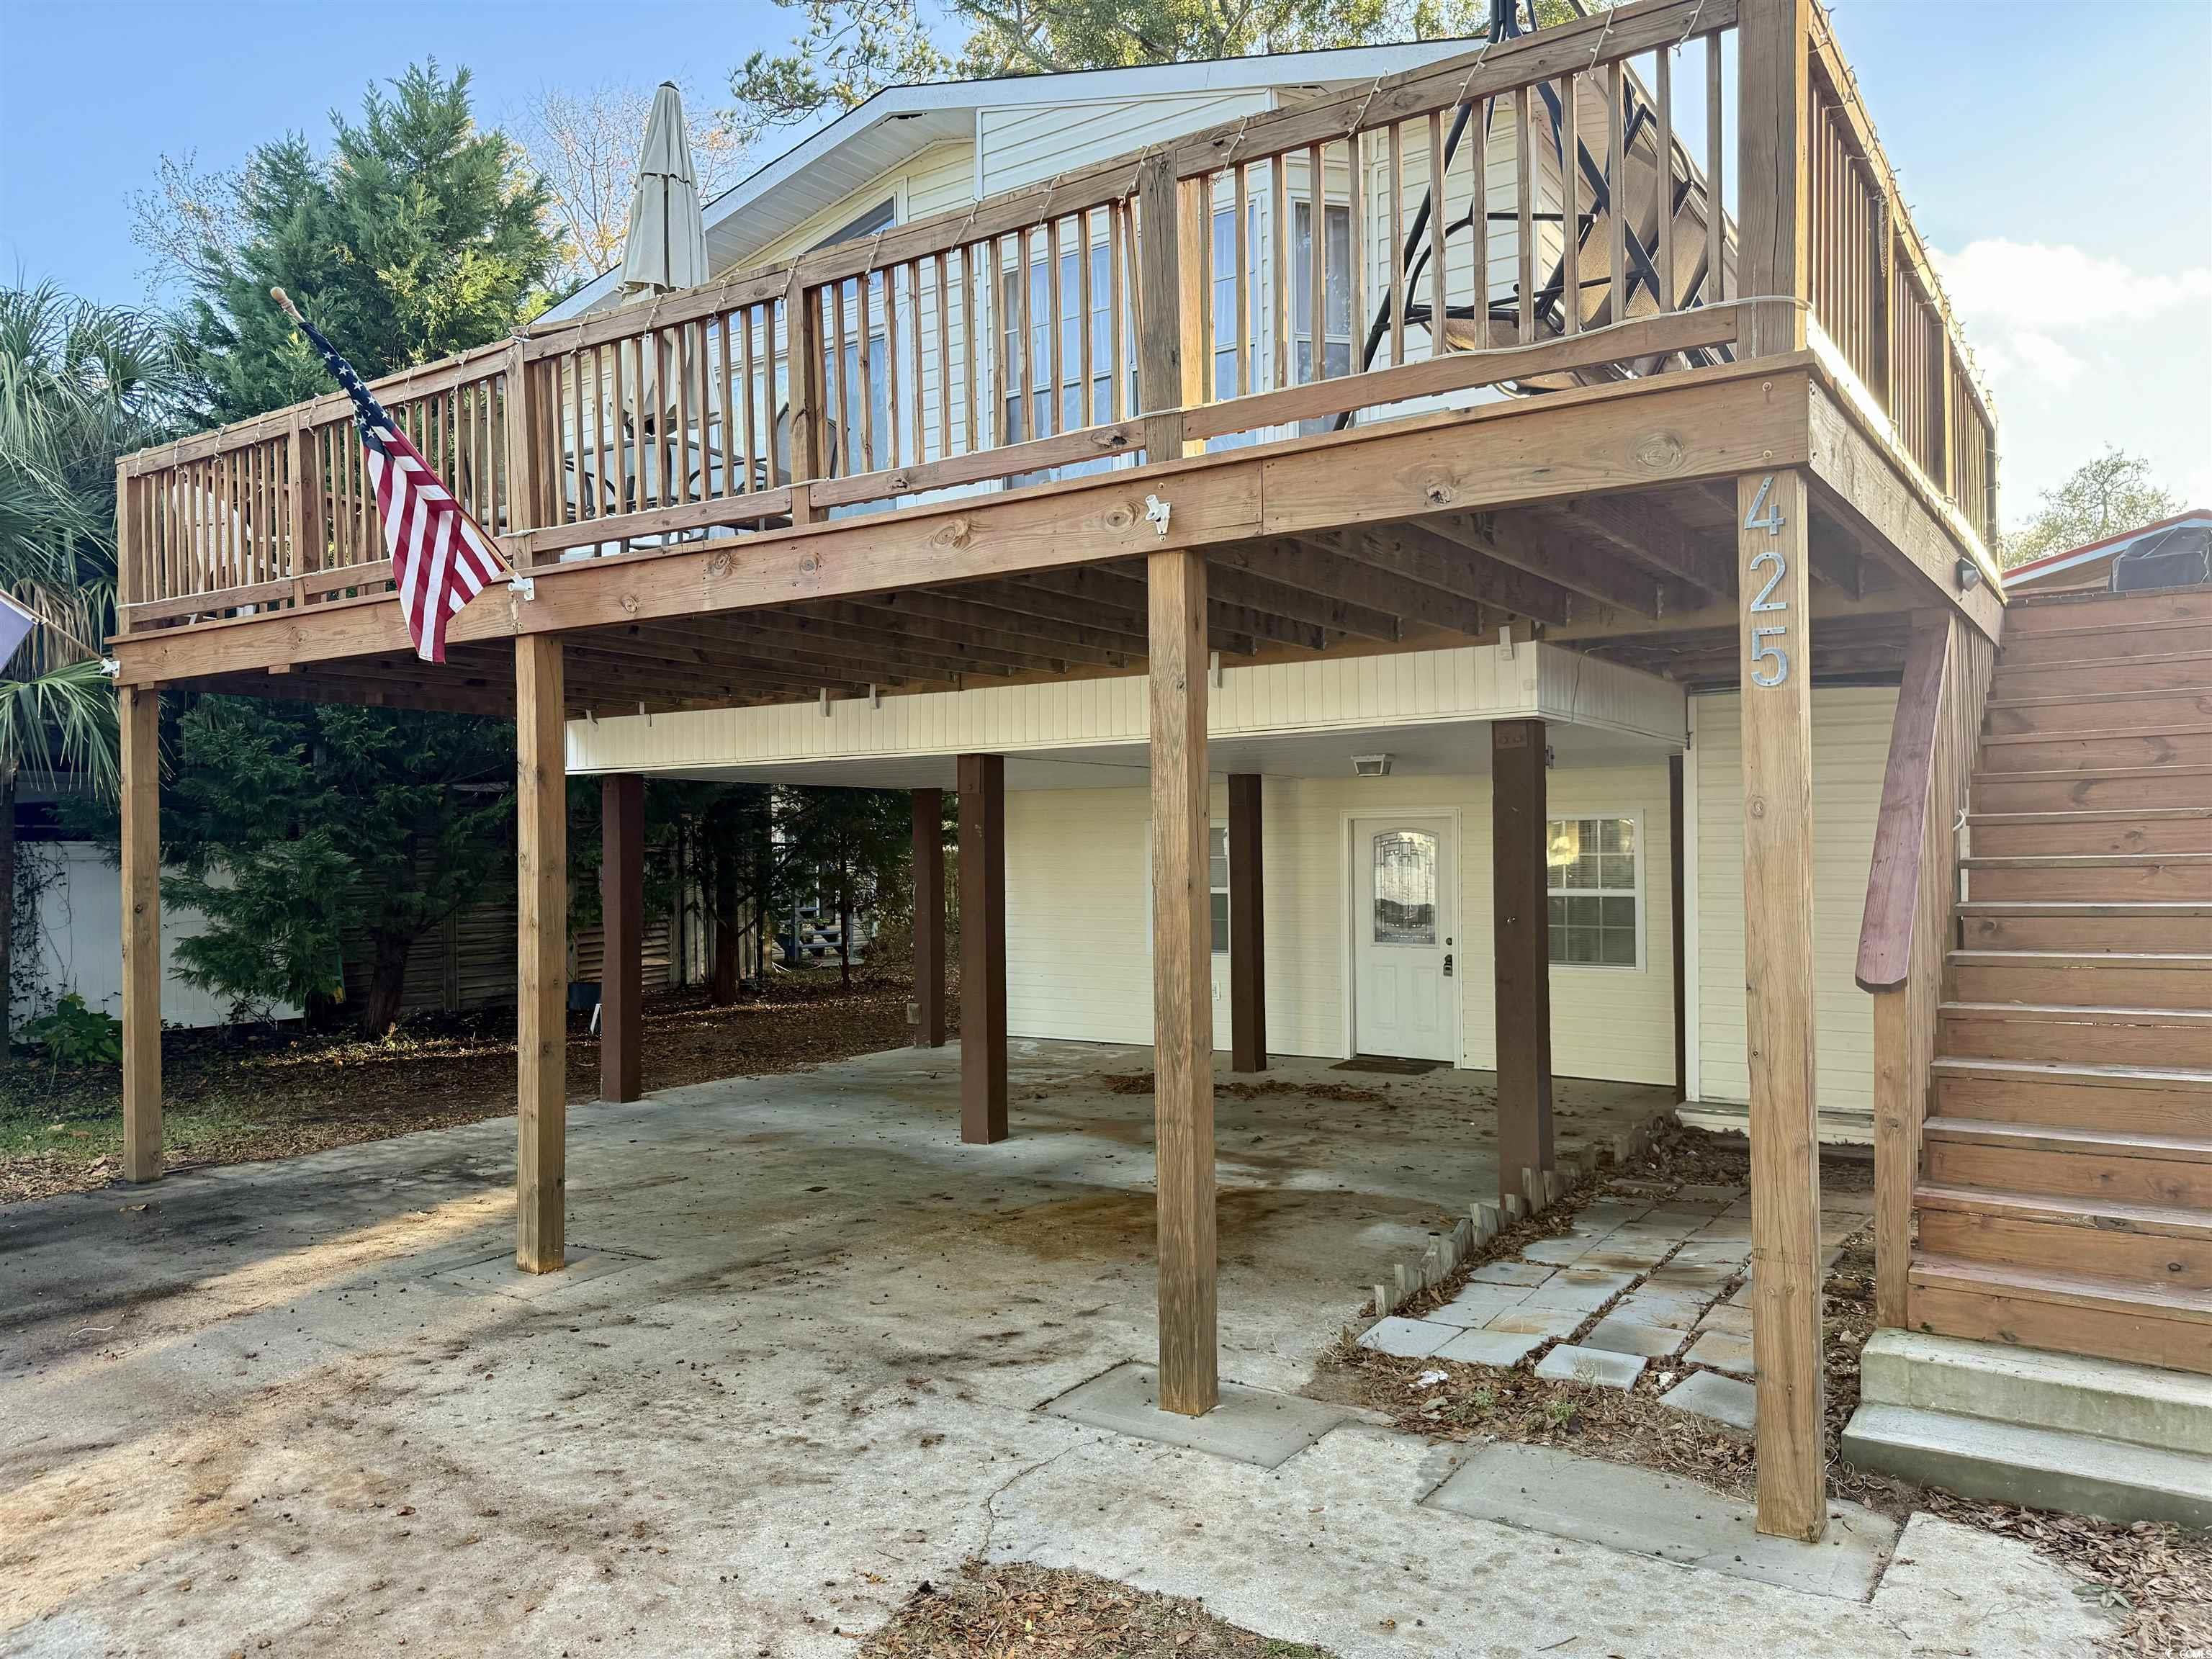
x=799 y=1364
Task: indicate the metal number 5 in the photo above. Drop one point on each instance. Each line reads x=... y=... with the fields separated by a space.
x=1762 y=651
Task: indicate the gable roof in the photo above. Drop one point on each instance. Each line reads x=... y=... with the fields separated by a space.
x=2077 y=560
x=899 y=122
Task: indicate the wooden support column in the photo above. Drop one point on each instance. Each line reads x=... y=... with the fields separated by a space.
x=983 y=948
x=929 y=918
x=1248 y=942
x=1780 y=1015
x=1774 y=178
x=1676 y=852
x=1521 y=942
x=622 y=910
x=541 y=856
x=1173 y=357
x=1182 y=988
x=140 y=720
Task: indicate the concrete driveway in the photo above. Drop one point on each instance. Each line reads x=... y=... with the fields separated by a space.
x=794 y=1369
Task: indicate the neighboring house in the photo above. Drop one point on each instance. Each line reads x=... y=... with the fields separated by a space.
x=2170 y=552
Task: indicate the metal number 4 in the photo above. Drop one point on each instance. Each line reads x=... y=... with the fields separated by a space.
x=1762 y=516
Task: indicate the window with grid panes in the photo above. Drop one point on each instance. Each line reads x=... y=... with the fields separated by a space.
x=1593 y=882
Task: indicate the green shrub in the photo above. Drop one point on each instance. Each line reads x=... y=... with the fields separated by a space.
x=76 y=1034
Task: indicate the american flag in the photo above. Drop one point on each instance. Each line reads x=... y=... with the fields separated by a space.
x=440 y=556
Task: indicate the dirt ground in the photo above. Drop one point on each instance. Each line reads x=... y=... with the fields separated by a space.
x=2157 y=1577
x=250 y=1093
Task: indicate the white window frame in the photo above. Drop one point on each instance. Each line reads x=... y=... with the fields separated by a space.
x=1631 y=815
x=1219 y=826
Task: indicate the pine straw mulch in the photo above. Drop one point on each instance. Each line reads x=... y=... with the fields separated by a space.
x=1060 y=1613
x=2157 y=1579
x=243 y=1093
x=1140 y=1083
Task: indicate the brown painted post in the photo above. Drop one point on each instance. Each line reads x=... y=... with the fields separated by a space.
x=622 y=910
x=1182 y=986
x=929 y=917
x=141 y=729
x=1522 y=945
x=1773 y=180
x=1780 y=1013
x=983 y=948
x=541 y=989
x=1248 y=945
x=1676 y=855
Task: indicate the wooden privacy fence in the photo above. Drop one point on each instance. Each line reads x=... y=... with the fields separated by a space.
x=1552 y=212
x=1908 y=925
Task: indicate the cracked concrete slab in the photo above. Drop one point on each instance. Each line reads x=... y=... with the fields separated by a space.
x=1250 y=1426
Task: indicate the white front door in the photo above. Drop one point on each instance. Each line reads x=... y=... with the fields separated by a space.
x=1404 y=885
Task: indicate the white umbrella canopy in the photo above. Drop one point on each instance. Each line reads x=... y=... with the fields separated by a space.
x=667 y=245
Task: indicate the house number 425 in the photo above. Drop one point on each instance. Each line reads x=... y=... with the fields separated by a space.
x=1770 y=648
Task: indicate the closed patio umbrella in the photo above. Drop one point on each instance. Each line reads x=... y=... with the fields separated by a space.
x=667 y=245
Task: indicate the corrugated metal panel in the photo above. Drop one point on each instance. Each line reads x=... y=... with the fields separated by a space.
x=1850 y=750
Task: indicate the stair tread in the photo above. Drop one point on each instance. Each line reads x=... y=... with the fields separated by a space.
x=2189 y=961
x=2086 y=908
x=2052 y=1071
x=2065 y=699
x=2152 y=659
x=2170 y=729
x=2078 y=1013
x=2141 y=625
x=2095 y=815
x=2171 y=1220
x=1986 y=1132
x=2089 y=773
x=2075 y=1290
x=2081 y=860
x=2102 y=1473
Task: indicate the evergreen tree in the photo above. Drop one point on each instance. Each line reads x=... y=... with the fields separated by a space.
x=416 y=236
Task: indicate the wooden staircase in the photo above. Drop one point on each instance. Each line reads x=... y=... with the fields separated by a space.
x=2065 y=1200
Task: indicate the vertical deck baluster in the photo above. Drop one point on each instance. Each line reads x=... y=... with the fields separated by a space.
x=1085 y=404
x=1616 y=178
x=1439 y=276
x=1317 y=261
x=1395 y=181
x=1478 y=213
x=1117 y=391
x=1570 y=206
x=1056 y=354
x=1240 y=193
x=1524 y=186
x=1279 y=264
x=839 y=412
x=1662 y=179
x=1715 y=191
x=1355 y=205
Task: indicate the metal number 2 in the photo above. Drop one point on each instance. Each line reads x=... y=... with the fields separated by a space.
x=1765 y=601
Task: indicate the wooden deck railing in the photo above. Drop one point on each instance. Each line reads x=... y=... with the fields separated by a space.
x=1908 y=925
x=1410 y=241
x=1876 y=296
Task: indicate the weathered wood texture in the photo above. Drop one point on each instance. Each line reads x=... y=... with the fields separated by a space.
x=929 y=918
x=1521 y=942
x=1248 y=946
x=1772 y=173
x=1780 y=1013
x=622 y=910
x=1182 y=1004
x=139 y=718
x=542 y=957
x=982 y=780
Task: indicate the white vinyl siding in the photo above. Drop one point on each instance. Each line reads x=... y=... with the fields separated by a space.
x=1850 y=749
x=1031 y=143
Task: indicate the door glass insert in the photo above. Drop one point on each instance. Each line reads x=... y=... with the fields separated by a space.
x=1405 y=887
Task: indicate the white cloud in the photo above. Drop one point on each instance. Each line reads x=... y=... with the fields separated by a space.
x=2082 y=349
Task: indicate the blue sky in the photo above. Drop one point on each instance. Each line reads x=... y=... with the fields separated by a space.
x=2058 y=153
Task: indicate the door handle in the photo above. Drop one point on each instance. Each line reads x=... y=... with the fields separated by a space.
x=1448 y=962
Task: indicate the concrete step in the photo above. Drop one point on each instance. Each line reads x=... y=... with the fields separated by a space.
x=2178 y=744
x=2106 y=830
x=2126 y=1099
x=2080 y=1161
x=2109 y=784
x=2101 y=979
x=2039 y=617
x=2149 y=1243
x=2099 y=671
x=2121 y=877
x=2068 y=1033
x=2144 y=1324
x=2036 y=1468
x=2134 y=709
x=2083 y=925
x=2075 y=1393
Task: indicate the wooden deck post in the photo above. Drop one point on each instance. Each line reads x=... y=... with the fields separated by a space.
x=1774 y=178
x=1248 y=942
x=541 y=852
x=1173 y=359
x=1182 y=989
x=140 y=720
x=983 y=948
x=929 y=918
x=1780 y=1014
x=622 y=910
x=1677 y=853
x=1522 y=945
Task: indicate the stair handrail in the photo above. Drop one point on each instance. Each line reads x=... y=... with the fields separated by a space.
x=1906 y=929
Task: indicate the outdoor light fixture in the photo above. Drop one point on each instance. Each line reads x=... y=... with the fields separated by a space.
x=1970 y=575
x=1370 y=766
